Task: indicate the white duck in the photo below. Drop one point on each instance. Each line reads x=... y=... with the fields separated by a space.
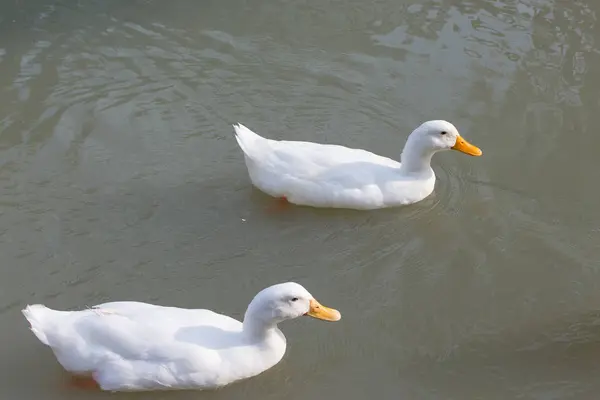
x=132 y=346
x=325 y=175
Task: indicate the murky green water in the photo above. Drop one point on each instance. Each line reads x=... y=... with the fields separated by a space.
x=120 y=179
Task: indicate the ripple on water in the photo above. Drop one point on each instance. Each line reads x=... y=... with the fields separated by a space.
x=452 y=186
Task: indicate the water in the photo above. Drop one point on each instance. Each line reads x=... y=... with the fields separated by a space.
x=120 y=179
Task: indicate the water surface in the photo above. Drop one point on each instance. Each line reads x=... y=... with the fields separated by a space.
x=120 y=179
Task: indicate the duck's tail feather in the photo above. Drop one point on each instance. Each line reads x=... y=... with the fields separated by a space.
x=37 y=315
x=248 y=141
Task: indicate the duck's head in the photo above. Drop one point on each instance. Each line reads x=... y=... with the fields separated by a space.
x=441 y=135
x=287 y=301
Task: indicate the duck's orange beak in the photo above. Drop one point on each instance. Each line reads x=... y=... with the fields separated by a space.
x=319 y=311
x=466 y=147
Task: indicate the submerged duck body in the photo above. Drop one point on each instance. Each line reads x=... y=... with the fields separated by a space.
x=334 y=176
x=133 y=346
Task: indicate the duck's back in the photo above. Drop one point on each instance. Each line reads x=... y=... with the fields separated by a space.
x=300 y=157
x=315 y=158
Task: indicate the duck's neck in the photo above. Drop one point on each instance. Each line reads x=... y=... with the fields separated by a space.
x=416 y=158
x=259 y=327
x=265 y=344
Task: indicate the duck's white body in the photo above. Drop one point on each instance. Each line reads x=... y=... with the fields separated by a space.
x=132 y=346
x=324 y=175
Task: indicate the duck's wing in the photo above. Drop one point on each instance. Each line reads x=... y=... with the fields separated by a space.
x=301 y=158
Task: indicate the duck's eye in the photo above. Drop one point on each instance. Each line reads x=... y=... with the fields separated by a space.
x=443 y=132
x=294 y=299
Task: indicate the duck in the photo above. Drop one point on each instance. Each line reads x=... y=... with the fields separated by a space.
x=136 y=346
x=335 y=176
